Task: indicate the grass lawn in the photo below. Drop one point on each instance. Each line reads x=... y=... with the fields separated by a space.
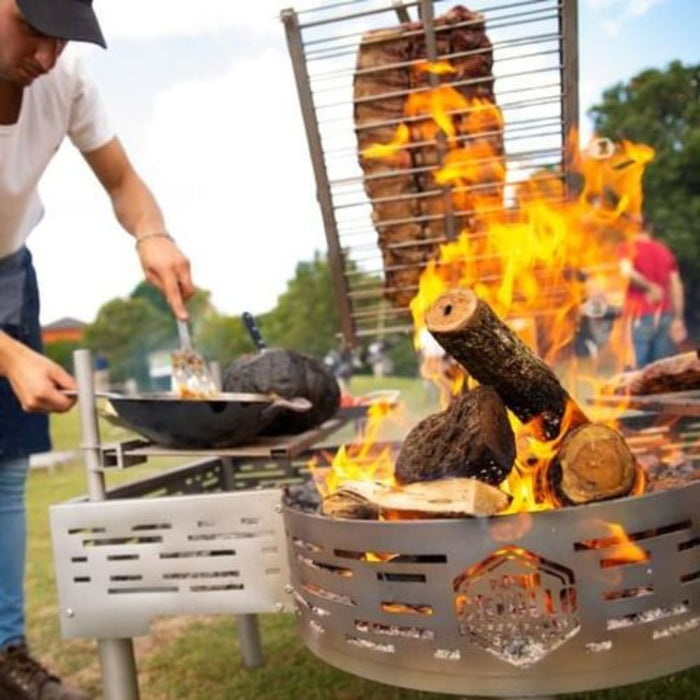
x=198 y=658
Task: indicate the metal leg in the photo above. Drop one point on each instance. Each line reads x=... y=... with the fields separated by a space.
x=118 y=665
x=249 y=637
x=228 y=474
x=119 y=676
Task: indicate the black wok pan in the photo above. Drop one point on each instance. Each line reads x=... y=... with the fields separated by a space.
x=224 y=421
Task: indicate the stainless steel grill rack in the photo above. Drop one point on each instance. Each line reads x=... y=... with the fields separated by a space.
x=535 y=66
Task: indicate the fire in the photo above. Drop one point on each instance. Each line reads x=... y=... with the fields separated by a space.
x=530 y=247
x=625 y=550
x=361 y=461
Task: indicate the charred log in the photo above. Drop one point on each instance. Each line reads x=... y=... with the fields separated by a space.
x=676 y=373
x=472 y=437
x=489 y=350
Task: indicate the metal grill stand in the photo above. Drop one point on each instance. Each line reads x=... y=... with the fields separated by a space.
x=203 y=538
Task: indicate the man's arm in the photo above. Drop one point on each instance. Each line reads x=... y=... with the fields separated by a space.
x=35 y=380
x=678 y=331
x=653 y=291
x=137 y=211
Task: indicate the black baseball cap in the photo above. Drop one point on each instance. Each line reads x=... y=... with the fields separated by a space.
x=73 y=20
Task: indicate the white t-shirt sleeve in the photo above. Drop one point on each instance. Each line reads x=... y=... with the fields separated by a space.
x=89 y=126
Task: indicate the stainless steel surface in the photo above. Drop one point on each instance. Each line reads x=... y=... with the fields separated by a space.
x=118 y=668
x=249 y=635
x=89 y=427
x=120 y=563
x=117 y=662
x=323 y=191
x=536 y=71
x=528 y=604
x=275 y=447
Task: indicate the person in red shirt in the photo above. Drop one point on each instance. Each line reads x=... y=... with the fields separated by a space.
x=654 y=299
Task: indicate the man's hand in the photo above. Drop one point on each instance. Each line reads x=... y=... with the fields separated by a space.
x=677 y=331
x=35 y=380
x=165 y=266
x=654 y=293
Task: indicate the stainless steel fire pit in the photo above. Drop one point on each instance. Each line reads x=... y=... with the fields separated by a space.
x=528 y=604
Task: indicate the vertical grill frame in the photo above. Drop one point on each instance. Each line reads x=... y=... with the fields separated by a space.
x=330 y=35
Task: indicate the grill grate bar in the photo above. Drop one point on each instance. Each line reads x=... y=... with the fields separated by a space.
x=533 y=53
x=534 y=17
x=334 y=75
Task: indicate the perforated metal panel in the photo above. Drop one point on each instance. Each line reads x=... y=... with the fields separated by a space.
x=121 y=563
x=537 y=603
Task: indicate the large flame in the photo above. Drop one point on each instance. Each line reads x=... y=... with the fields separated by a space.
x=534 y=249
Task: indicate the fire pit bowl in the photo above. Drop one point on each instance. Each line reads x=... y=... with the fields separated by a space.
x=529 y=604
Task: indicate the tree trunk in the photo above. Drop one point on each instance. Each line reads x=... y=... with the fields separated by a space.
x=472 y=437
x=470 y=331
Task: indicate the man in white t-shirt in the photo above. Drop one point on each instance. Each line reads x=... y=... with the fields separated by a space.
x=45 y=95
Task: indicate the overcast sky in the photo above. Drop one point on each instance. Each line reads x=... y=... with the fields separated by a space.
x=203 y=97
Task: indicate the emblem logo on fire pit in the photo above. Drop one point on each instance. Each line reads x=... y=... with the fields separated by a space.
x=517 y=605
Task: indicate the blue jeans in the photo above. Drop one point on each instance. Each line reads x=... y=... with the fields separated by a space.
x=13 y=542
x=651 y=339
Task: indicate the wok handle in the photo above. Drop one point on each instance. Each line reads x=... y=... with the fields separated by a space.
x=298 y=404
x=254 y=331
x=101 y=394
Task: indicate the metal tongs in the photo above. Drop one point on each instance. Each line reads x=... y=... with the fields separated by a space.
x=191 y=378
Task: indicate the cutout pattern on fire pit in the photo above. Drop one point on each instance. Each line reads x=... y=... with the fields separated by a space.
x=517 y=605
x=529 y=604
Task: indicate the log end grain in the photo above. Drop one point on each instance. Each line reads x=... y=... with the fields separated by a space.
x=594 y=463
x=452 y=311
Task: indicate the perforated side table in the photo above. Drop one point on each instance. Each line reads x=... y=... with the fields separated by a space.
x=201 y=539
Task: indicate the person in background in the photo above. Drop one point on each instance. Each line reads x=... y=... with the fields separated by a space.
x=654 y=303
x=46 y=95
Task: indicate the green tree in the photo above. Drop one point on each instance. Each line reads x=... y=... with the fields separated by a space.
x=223 y=338
x=199 y=306
x=125 y=332
x=305 y=318
x=661 y=108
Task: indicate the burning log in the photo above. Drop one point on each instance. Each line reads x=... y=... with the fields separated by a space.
x=593 y=463
x=472 y=437
x=444 y=498
x=470 y=331
x=676 y=373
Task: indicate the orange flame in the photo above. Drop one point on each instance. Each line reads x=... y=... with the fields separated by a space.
x=533 y=250
x=360 y=461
